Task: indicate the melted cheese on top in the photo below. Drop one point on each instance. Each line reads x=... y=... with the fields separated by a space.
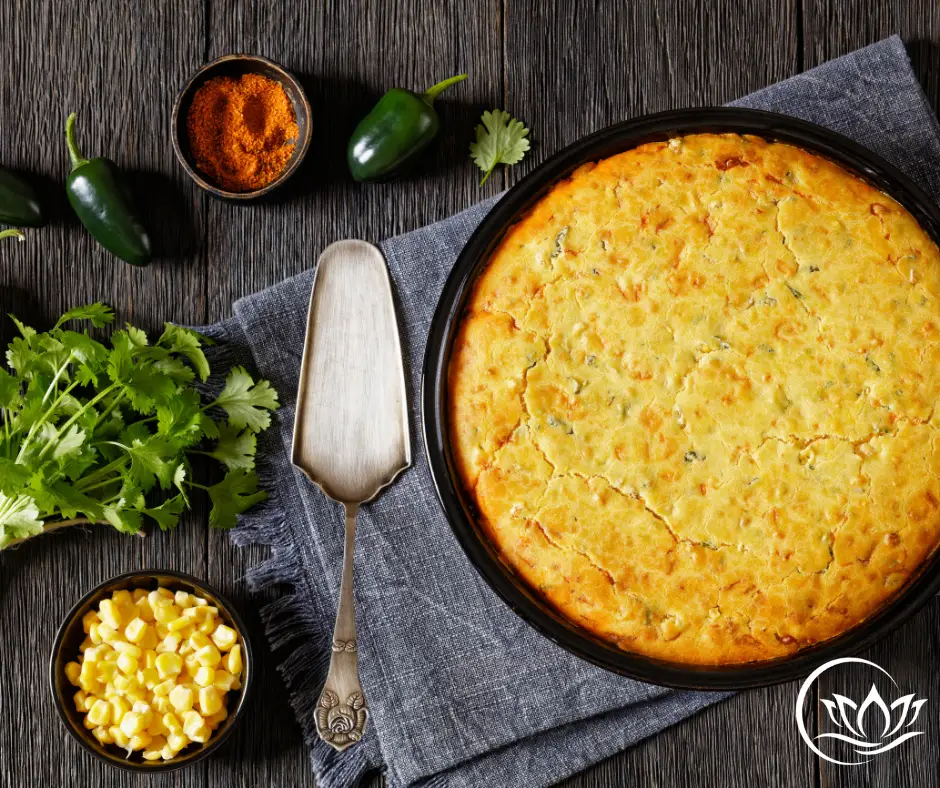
x=693 y=398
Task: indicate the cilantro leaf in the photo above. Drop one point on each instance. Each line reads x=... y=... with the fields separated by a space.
x=500 y=140
x=236 y=493
x=167 y=514
x=187 y=343
x=99 y=315
x=236 y=448
x=19 y=518
x=247 y=402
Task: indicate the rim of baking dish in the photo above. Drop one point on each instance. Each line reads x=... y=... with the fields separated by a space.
x=457 y=506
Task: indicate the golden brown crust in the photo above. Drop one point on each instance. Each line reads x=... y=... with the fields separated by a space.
x=693 y=398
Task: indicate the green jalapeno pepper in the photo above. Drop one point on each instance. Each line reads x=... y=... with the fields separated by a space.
x=102 y=200
x=19 y=204
x=399 y=127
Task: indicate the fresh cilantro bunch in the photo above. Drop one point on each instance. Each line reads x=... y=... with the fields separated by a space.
x=500 y=140
x=96 y=433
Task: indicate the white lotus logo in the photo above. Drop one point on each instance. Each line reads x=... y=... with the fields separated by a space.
x=871 y=727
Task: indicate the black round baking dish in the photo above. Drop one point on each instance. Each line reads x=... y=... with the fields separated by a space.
x=535 y=611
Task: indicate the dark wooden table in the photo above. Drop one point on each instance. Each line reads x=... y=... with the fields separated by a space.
x=566 y=67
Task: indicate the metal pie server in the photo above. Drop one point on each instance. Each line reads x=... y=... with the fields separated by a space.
x=350 y=435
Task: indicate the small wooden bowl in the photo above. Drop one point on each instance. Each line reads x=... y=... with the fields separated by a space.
x=72 y=633
x=236 y=66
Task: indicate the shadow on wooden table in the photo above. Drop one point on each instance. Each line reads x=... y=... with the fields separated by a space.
x=168 y=212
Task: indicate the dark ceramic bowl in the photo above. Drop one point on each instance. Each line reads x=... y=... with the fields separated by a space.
x=235 y=66
x=457 y=505
x=71 y=634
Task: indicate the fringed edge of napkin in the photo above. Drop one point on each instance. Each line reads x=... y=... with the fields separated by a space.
x=287 y=621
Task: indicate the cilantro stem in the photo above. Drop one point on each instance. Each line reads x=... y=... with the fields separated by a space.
x=107 y=411
x=93 y=477
x=43 y=419
x=55 y=526
x=85 y=408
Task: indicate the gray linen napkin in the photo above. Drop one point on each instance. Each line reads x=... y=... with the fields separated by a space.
x=462 y=692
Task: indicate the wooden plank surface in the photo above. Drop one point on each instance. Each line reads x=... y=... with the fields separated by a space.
x=566 y=67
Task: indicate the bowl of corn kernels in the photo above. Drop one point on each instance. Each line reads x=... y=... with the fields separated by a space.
x=151 y=670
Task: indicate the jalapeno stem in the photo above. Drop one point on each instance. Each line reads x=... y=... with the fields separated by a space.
x=432 y=93
x=12 y=233
x=74 y=154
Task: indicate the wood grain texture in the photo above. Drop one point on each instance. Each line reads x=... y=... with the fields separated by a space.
x=566 y=67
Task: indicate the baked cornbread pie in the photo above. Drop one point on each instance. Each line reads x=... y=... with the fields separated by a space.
x=692 y=398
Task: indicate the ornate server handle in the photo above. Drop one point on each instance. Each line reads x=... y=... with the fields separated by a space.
x=342 y=713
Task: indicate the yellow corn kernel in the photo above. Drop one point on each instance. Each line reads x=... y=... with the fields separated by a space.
x=191 y=664
x=149 y=640
x=224 y=637
x=170 y=643
x=128 y=665
x=105 y=633
x=204 y=677
x=137 y=594
x=223 y=680
x=199 y=601
x=209 y=656
x=153 y=751
x=194 y=726
x=162 y=631
x=106 y=671
x=135 y=695
x=237 y=684
x=177 y=740
x=122 y=597
x=215 y=720
x=89 y=725
x=94 y=634
x=79 y=700
x=72 y=671
x=198 y=640
x=135 y=630
x=206 y=626
x=124 y=683
x=185 y=649
x=140 y=741
x=87 y=679
x=183 y=599
x=234 y=660
x=156 y=726
x=161 y=704
x=172 y=723
x=91 y=617
x=119 y=737
x=89 y=702
x=91 y=656
x=166 y=612
x=132 y=723
x=169 y=664
x=100 y=713
x=148 y=677
x=109 y=613
x=150 y=658
x=103 y=735
x=119 y=707
x=182 y=698
x=178 y=624
x=164 y=688
x=123 y=647
x=144 y=609
x=193 y=613
x=209 y=701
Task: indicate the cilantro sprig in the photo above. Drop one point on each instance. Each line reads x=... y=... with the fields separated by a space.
x=105 y=433
x=500 y=140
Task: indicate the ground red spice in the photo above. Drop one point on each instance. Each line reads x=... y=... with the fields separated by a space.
x=242 y=131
